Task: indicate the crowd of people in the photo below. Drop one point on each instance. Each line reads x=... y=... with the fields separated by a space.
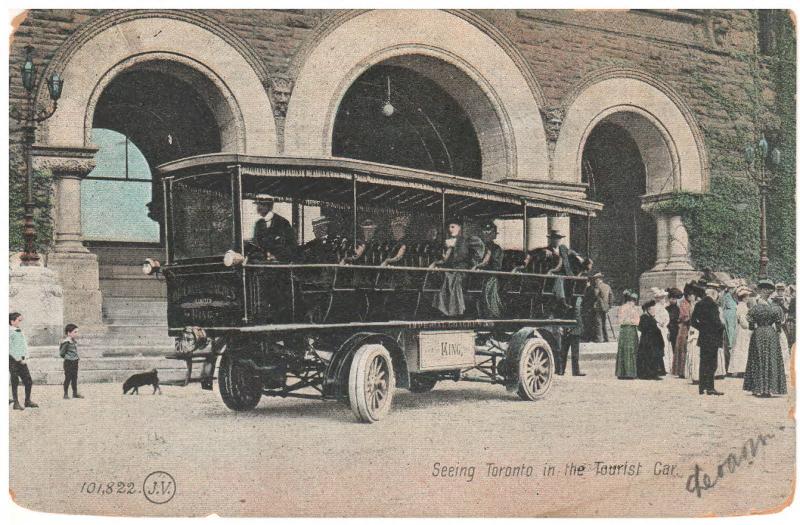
x=710 y=330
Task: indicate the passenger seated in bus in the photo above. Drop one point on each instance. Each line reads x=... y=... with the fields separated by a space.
x=490 y=305
x=461 y=253
x=399 y=245
x=361 y=251
x=320 y=249
x=273 y=234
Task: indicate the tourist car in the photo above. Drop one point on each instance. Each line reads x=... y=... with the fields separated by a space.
x=350 y=328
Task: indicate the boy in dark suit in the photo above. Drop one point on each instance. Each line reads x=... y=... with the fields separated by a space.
x=69 y=353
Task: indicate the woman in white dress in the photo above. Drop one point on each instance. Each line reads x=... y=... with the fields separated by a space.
x=741 y=348
x=662 y=319
x=692 y=372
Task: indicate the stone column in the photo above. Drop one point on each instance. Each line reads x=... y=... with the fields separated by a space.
x=673 y=267
x=76 y=266
x=662 y=242
x=678 y=245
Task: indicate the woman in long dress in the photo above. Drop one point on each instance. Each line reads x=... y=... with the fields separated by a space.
x=684 y=320
x=692 y=371
x=765 y=374
x=628 y=340
x=661 y=316
x=741 y=347
x=490 y=305
x=457 y=254
x=650 y=354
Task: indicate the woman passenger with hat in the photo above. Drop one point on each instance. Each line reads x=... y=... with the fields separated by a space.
x=490 y=305
x=628 y=340
x=765 y=374
x=741 y=347
x=457 y=254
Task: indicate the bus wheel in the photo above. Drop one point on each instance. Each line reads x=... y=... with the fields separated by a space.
x=536 y=368
x=239 y=386
x=371 y=383
x=421 y=384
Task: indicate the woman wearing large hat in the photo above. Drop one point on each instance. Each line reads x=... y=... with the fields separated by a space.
x=692 y=368
x=628 y=341
x=765 y=374
x=741 y=346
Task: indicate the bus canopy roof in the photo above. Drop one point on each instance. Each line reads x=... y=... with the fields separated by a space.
x=315 y=181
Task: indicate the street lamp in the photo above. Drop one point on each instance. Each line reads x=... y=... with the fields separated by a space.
x=30 y=118
x=761 y=160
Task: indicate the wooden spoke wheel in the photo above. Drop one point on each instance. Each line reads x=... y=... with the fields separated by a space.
x=421 y=383
x=536 y=369
x=371 y=383
x=239 y=385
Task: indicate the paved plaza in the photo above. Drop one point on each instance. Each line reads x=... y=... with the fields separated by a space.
x=594 y=443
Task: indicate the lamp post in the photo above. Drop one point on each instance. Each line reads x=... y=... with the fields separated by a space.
x=30 y=118
x=761 y=160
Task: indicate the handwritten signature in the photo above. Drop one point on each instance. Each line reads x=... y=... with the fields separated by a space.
x=700 y=481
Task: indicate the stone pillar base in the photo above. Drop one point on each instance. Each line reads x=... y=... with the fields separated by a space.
x=80 y=278
x=36 y=293
x=664 y=279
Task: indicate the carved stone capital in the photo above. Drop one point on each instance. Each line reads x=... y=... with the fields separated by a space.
x=64 y=162
x=552 y=118
x=280 y=93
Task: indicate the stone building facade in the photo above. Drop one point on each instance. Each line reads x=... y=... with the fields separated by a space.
x=607 y=105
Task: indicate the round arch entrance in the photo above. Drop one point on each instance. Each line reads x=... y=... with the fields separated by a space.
x=632 y=140
x=471 y=65
x=150 y=113
x=397 y=112
x=622 y=238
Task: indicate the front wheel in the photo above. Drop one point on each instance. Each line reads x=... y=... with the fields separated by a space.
x=239 y=385
x=535 y=369
x=371 y=383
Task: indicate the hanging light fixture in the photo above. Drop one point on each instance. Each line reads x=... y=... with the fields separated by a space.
x=388 y=108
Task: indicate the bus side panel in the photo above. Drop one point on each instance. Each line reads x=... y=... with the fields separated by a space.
x=205 y=299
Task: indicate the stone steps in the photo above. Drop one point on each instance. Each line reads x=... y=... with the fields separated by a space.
x=50 y=371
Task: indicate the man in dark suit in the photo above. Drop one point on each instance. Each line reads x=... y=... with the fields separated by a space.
x=273 y=234
x=601 y=304
x=707 y=321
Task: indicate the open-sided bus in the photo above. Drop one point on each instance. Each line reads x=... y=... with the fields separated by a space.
x=350 y=320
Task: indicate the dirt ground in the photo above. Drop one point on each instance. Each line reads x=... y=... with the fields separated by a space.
x=308 y=458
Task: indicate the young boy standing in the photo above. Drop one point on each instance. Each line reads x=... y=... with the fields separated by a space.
x=69 y=352
x=17 y=367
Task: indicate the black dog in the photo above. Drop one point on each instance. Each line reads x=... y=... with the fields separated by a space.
x=133 y=383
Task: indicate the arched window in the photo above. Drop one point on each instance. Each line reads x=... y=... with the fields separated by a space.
x=115 y=195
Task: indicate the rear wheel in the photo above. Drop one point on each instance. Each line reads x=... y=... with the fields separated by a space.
x=535 y=369
x=239 y=385
x=421 y=383
x=371 y=383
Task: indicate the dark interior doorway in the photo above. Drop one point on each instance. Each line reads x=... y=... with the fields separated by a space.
x=164 y=116
x=425 y=129
x=622 y=238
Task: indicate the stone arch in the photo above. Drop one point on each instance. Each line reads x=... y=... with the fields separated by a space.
x=350 y=44
x=200 y=49
x=659 y=121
